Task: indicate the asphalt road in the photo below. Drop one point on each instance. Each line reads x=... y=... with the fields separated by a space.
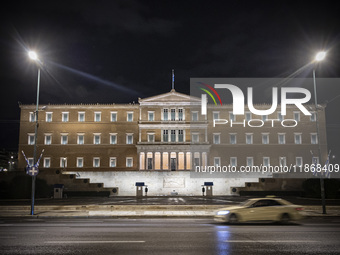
x=159 y=200
x=166 y=236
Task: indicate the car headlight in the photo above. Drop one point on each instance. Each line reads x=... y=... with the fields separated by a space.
x=222 y=212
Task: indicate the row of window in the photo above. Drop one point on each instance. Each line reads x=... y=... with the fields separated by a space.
x=265 y=161
x=129 y=161
x=81 y=139
x=265 y=138
x=173 y=136
x=65 y=116
x=80 y=162
x=248 y=116
x=167 y=115
x=173 y=114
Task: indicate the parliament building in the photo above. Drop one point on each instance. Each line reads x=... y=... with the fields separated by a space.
x=160 y=141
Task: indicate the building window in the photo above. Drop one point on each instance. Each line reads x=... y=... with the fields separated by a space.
x=314 y=138
x=113 y=161
x=265 y=138
x=64 y=139
x=180 y=136
x=129 y=162
x=173 y=114
x=298 y=161
x=233 y=161
x=32 y=117
x=97 y=116
x=96 y=162
x=96 y=139
x=315 y=160
x=279 y=116
x=165 y=114
x=47 y=162
x=173 y=136
x=282 y=138
x=129 y=138
x=195 y=138
x=48 y=116
x=313 y=116
x=113 y=138
x=196 y=159
x=81 y=116
x=31 y=139
x=63 y=162
x=232 y=117
x=283 y=161
x=194 y=116
x=48 y=139
x=165 y=135
x=64 y=116
x=264 y=117
x=248 y=116
x=297 y=139
x=130 y=116
x=216 y=115
x=250 y=161
x=180 y=115
x=113 y=116
x=249 y=138
x=151 y=138
x=217 y=138
x=30 y=161
x=217 y=161
x=151 y=116
x=80 y=162
x=297 y=116
x=80 y=139
x=232 y=138
x=266 y=161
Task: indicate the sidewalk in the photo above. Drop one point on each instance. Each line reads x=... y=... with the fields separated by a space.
x=149 y=211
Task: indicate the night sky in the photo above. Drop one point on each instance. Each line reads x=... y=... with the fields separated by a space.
x=117 y=51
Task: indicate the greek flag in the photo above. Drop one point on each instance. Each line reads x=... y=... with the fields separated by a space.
x=38 y=162
x=325 y=173
x=28 y=164
x=36 y=165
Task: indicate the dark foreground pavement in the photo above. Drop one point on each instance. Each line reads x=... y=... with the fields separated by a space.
x=166 y=236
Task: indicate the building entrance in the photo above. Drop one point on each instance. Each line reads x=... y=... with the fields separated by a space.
x=173 y=164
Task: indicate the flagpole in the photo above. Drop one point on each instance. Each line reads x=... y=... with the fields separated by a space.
x=173 y=80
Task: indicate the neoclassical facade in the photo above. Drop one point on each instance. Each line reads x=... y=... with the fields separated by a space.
x=161 y=139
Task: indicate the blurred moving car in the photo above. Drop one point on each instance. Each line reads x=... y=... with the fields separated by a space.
x=260 y=209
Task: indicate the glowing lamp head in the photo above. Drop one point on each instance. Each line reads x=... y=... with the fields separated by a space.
x=320 y=56
x=33 y=55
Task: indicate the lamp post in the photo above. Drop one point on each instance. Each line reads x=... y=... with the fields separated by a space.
x=35 y=58
x=319 y=57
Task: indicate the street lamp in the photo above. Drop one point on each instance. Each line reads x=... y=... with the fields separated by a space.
x=33 y=55
x=319 y=57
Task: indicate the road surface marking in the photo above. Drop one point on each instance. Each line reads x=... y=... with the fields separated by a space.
x=270 y=241
x=75 y=242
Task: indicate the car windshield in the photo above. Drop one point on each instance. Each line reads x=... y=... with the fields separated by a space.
x=247 y=203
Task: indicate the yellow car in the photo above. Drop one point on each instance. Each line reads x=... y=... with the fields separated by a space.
x=260 y=209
